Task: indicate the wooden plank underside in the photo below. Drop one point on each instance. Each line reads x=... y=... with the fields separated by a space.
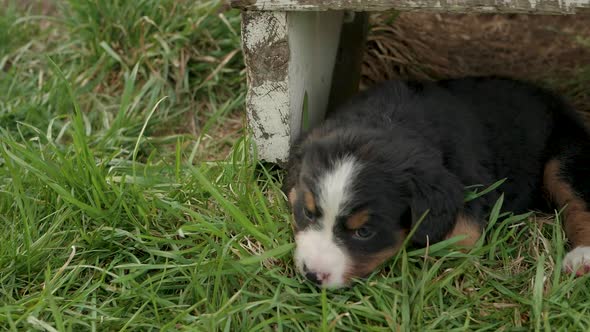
x=485 y=6
x=289 y=60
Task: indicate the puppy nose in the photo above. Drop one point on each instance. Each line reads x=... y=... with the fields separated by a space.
x=313 y=277
x=316 y=277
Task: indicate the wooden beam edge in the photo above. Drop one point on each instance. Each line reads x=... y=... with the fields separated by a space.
x=454 y=6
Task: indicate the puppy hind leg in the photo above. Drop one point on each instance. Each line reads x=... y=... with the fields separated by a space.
x=567 y=181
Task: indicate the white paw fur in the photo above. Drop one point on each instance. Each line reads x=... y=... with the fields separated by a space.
x=577 y=261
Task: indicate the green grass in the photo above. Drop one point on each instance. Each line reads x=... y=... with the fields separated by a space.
x=122 y=207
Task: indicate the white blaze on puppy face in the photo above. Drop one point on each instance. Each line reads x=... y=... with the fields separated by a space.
x=317 y=248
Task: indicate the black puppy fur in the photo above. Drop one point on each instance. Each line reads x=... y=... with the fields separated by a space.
x=422 y=143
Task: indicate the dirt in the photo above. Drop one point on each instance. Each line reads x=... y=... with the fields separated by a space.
x=551 y=50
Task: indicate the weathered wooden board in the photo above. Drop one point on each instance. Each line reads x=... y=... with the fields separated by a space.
x=289 y=60
x=505 y=6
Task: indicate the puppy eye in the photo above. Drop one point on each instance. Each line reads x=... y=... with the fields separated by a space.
x=364 y=233
x=308 y=214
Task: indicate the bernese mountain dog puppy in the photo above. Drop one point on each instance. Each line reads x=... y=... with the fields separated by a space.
x=360 y=182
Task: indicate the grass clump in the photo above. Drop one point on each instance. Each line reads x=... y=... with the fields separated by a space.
x=117 y=215
x=166 y=38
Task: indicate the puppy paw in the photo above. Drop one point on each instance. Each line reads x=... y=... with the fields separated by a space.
x=577 y=261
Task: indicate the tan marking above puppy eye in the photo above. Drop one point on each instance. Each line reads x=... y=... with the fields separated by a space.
x=358 y=219
x=309 y=202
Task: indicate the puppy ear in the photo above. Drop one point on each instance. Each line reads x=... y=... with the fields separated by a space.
x=296 y=154
x=293 y=166
x=293 y=169
x=439 y=192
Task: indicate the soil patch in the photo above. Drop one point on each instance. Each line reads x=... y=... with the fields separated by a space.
x=551 y=50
